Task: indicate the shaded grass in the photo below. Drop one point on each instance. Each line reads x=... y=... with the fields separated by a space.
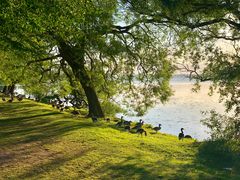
x=39 y=142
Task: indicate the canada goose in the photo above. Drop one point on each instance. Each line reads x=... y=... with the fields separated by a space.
x=181 y=134
x=128 y=123
x=188 y=136
x=121 y=119
x=139 y=124
x=185 y=136
x=119 y=123
x=107 y=119
x=127 y=128
x=141 y=131
x=19 y=98
x=3 y=99
x=158 y=128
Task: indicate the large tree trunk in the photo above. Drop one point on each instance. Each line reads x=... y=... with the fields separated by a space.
x=11 y=91
x=74 y=56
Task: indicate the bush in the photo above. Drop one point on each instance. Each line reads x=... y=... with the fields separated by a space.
x=110 y=108
x=222 y=126
x=220 y=153
x=223 y=150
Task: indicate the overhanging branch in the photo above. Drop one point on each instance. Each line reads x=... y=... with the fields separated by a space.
x=193 y=73
x=42 y=60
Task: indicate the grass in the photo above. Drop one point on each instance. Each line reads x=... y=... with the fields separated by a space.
x=38 y=142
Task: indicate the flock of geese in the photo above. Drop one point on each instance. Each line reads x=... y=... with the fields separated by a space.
x=139 y=130
x=121 y=123
x=127 y=125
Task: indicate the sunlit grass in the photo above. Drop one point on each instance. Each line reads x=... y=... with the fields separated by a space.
x=39 y=142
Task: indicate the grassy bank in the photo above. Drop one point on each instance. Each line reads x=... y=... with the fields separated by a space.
x=38 y=142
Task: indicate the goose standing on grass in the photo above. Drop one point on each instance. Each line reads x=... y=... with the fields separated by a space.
x=120 y=123
x=181 y=134
x=127 y=123
x=158 y=128
x=127 y=128
x=121 y=118
x=139 y=124
x=188 y=136
x=107 y=119
x=141 y=131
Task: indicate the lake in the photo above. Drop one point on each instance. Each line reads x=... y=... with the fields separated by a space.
x=183 y=110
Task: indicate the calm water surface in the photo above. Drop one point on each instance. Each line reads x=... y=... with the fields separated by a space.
x=183 y=110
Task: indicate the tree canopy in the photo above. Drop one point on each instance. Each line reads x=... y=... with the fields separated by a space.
x=111 y=48
x=84 y=37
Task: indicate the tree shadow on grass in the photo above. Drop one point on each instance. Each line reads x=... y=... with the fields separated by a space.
x=208 y=163
x=214 y=160
x=135 y=167
x=8 y=107
x=220 y=155
x=22 y=120
x=55 y=163
x=33 y=128
x=129 y=169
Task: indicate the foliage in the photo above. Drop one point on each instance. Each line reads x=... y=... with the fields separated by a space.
x=222 y=126
x=126 y=46
x=115 y=57
x=224 y=72
x=110 y=108
x=199 y=28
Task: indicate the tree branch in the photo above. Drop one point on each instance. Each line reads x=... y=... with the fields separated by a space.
x=193 y=71
x=42 y=60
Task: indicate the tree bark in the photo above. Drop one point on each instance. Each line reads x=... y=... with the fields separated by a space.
x=74 y=56
x=11 y=91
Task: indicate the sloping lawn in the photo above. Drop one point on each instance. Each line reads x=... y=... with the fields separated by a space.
x=39 y=142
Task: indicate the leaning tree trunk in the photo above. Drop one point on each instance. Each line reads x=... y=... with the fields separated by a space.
x=74 y=56
x=11 y=91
